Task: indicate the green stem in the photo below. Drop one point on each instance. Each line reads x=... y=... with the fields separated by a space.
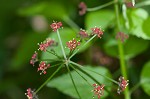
x=62 y=48
x=121 y=52
x=50 y=60
x=71 y=23
x=104 y=76
x=48 y=79
x=82 y=46
x=73 y=81
x=80 y=74
x=53 y=54
x=55 y=65
x=79 y=68
x=143 y=3
x=101 y=6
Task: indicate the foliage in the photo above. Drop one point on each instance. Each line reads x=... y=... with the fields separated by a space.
x=19 y=38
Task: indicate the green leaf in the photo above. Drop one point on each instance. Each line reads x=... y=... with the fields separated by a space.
x=146 y=26
x=49 y=9
x=137 y=17
x=132 y=47
x=66 y=35
x=63 y=83
x=26 y=50
x=145 y=78
x=102 y=18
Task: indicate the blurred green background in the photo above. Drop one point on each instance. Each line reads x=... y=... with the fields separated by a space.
x=24 y=23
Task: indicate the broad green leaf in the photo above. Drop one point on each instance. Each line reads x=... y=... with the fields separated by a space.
x=145 y=78
x=63 y=83
x=102 y=18
x=66 y=35
x=132 y=47
x=48 y=9
x=26 y=49
x=146 y=26
x=137 y=17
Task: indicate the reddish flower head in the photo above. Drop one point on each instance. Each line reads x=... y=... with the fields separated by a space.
x=47 y=43
x=34 y=58
x=98 y=90
x=97 y=31
x=56 y=25
x=121 y=36
x=83 y=34
x=43 y=67
x=72 y=44
x=31 y=94
x=122 y=84
x=130 y=4
x=83 y=8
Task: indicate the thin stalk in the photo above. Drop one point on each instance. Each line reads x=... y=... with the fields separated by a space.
x=121 y=52
x=62 y=48
x=82 y=46
x=143 y=3
x=79 y=68
x=103 y=76
x=71 y=23
x=53 y=54
x=73 y=81
x=80 y=74
x=48 y=79
x=101 y=6
x=55 y=65
x=50 y=60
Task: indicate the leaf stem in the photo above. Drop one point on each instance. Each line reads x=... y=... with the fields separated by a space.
x=48 y=79
x=73 y=81
x=101 y=6
x=82 y=46
x=62 y=48
x=121 y=52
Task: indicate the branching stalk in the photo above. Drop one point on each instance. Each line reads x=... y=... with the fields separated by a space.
x=73 y=82
x=48 y=79
x=82 y=46
x=62 y=48
x=101 y=6
x=121 y=52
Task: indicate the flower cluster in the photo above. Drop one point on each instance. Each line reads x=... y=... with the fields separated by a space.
x=56 y=25
x=122 y=84
x=47 y=43
x=72 y=44
x=43 y=67
x=83 y=33
x=97 y=31
x=130 y=4
x=34 y=58
x=121 y=36
x=83 y=8
x=98 y=90
x=31 y=94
